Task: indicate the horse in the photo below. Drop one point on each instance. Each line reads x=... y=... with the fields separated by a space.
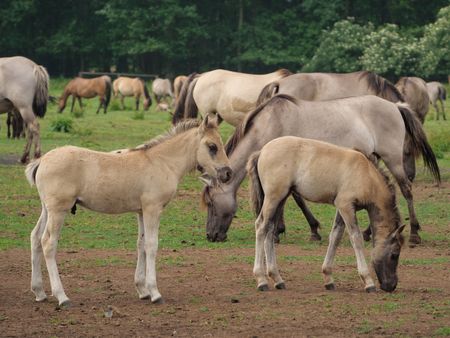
x=178 y=84
x=126 y=86
x=162 y=88
x=376 y=127
x=15 y=125
x=329 y=86
x=69 y=176
x=24 y=88
x=437 y=92
x=324 y=173
x=415 y=92
x=230 y=94
x=87 y=88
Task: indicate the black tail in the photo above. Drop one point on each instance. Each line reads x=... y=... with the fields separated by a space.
x=268 y=92
x=41 y=92
x=419 y=140
x=146 y=93
x=107 y=93
x=178 y=113
x=256 y=190
x=442 y=93
x=190 y=108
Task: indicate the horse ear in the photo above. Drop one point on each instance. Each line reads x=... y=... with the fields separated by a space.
x=396 y=233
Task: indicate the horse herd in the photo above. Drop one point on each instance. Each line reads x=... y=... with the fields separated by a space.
x=318 y=137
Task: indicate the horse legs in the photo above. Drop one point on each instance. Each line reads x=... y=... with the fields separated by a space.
x=121 y=102
x=49 y=243
x=33 y=133
x=100 y=105
x=335 y=238
x=79 y=102
x=36 y=256
x=151 y=227
x=139 y=276
x=264 y=230
x=73 y=103
x=348 y=215
x=9 y=122
x=443 y=109
x=314 y=224
x=137 y=102
x=35 y=128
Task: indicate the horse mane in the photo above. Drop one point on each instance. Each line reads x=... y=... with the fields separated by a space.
x=179 y=128
x=283 y=72
x=246 y=125
x=382 y=87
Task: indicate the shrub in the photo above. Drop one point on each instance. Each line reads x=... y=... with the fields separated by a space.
x=62 y=124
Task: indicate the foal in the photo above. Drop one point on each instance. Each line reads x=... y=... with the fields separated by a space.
x=99 y=181
x=324 y=173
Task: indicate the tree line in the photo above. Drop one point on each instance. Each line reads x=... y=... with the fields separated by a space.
x=170 y=37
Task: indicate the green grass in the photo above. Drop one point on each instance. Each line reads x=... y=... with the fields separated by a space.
x=183 y=221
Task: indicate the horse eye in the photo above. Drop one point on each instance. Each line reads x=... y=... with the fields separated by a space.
x=212 y=149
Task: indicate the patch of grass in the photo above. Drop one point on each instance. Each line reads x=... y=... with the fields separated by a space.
x=138 y=115
x=443 y=331
x=365 y=327
x=62 y=125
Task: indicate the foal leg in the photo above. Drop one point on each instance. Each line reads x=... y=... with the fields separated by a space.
x=36 y=256
x=348 y=215
x=258 y=267
x=151 y=227
x=335 y=238
x=49 y=243
x=139 y=275
x=314 y=224
x=73 y=103
x=271 y=258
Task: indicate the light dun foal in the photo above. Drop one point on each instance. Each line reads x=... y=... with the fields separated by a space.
x=325 y=173
x=142 y=180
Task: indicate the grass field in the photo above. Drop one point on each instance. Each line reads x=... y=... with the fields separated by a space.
x=182 y=232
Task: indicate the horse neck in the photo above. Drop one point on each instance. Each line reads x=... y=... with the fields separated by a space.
x=179 y=153
x=383 y=213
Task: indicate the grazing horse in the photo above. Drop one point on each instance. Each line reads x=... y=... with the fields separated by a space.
x=437 y=92
x=415 y=92
x=324 y=173
x=126 y=86
x=372 y=125
x=178 y=84
x=87 y=88
x=329 y=86
x=230 y=94
x=162 y=88
x=24 y=88
x=99 y=181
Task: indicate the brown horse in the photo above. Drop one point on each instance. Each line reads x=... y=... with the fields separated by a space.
x=87 y=88
x=24 y=88
x=126 y=86
x=437 y=92
x=230 y=94
x=324 y=173
x=415 y=93
x=178 y=84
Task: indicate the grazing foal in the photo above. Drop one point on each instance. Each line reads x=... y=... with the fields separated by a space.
x=324 y=173
x=142 y=180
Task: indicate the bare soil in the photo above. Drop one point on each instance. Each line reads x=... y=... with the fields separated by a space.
x=212 y=293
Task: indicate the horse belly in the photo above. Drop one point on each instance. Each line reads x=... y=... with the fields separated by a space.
x=126 y=90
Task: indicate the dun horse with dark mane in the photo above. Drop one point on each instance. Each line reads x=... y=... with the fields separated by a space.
x=126 y=86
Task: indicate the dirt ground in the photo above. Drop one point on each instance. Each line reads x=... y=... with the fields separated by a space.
x=212 y=293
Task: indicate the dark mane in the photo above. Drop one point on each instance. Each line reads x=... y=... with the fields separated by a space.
x=179 y=128
x=393 y=200
x=284 y=72
x=382 y=87
x=246 y=125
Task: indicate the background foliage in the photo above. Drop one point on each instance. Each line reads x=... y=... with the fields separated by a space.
x=391 y=37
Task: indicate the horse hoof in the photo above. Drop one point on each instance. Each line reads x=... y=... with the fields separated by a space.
x=41 y=299
x=280 y=286
x=371 y=289
x=414 y=239
x=159 y=300
x=315 y=237
x=144 y=297
x=330 y=287
x=263 y=287
x=366 y=236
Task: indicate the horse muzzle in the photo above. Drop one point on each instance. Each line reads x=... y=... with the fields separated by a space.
x=224 y=174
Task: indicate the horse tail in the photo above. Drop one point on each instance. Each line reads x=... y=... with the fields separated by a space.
x=178 y=113
x=442 y=93
x=190 y=108
x=30 y=171
x=268 y=92
x=419 y=140
x=146 y=93
x=41 y=93
x=107 y=91
x=256 y=190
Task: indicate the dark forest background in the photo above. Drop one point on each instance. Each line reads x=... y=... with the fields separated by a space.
x=391 y=37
